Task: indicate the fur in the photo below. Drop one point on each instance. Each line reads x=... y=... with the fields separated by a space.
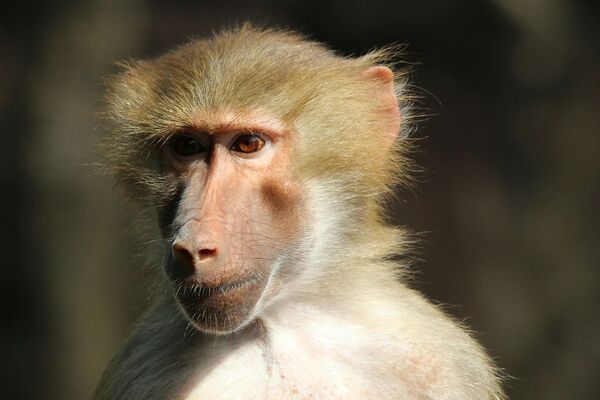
x=346 y=325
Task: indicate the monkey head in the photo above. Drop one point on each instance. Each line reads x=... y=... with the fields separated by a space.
x=260 y=151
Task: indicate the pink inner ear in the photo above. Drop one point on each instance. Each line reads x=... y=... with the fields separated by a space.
x=385 y=94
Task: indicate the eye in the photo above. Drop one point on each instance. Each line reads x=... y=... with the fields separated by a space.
x=248 y=143
x=187 y=146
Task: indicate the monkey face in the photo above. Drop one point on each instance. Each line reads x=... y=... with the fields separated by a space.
x=252 y=154
x=234 y=222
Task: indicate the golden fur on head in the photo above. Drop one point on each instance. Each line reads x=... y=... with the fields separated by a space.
x=319 y=94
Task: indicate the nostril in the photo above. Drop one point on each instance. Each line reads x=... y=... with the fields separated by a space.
x=207 y=253
x=182 y=265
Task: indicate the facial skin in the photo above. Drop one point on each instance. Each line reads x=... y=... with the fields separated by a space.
x=236 y=216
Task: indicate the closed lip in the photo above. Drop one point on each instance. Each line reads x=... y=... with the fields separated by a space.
x=202 y=291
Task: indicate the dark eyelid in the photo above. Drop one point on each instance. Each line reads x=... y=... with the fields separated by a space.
x=184 y=146
x=256 y=133
x=200 y=138
x=235 y=145
x=259 y=135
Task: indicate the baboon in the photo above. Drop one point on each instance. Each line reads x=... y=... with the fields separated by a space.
x=268 y=159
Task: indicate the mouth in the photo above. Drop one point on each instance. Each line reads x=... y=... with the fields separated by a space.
x=220 y=308
x=201 y=292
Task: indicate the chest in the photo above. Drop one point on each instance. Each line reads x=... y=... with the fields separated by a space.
x=296 y=365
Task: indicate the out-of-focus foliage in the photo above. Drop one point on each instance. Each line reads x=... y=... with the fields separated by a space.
x=508 y=202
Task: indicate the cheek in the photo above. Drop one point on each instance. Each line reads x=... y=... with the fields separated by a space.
x=268 y=224
x=283 y=202
x=281 y=198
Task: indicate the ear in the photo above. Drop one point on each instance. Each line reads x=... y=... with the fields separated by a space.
x=386 y=100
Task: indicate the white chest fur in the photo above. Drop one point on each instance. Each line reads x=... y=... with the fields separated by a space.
x=406 y=352
x=324 y=358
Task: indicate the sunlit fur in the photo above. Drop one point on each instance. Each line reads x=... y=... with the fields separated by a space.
x=345 y=324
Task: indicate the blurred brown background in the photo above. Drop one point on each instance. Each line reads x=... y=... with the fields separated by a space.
x=507 y=206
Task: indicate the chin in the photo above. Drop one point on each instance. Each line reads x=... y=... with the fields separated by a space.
x=220 y=310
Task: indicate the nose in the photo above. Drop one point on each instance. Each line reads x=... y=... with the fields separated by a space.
x=187 y=258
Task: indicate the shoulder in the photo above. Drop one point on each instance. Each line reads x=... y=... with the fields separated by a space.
x=438 y=355
x=144 y=366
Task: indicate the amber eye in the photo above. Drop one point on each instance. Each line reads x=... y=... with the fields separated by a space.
x=186 y=146
x=249 y=143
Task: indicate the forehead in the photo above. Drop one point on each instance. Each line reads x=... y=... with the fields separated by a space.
x=224 y=71
x=271 y=71
x=246 y=75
